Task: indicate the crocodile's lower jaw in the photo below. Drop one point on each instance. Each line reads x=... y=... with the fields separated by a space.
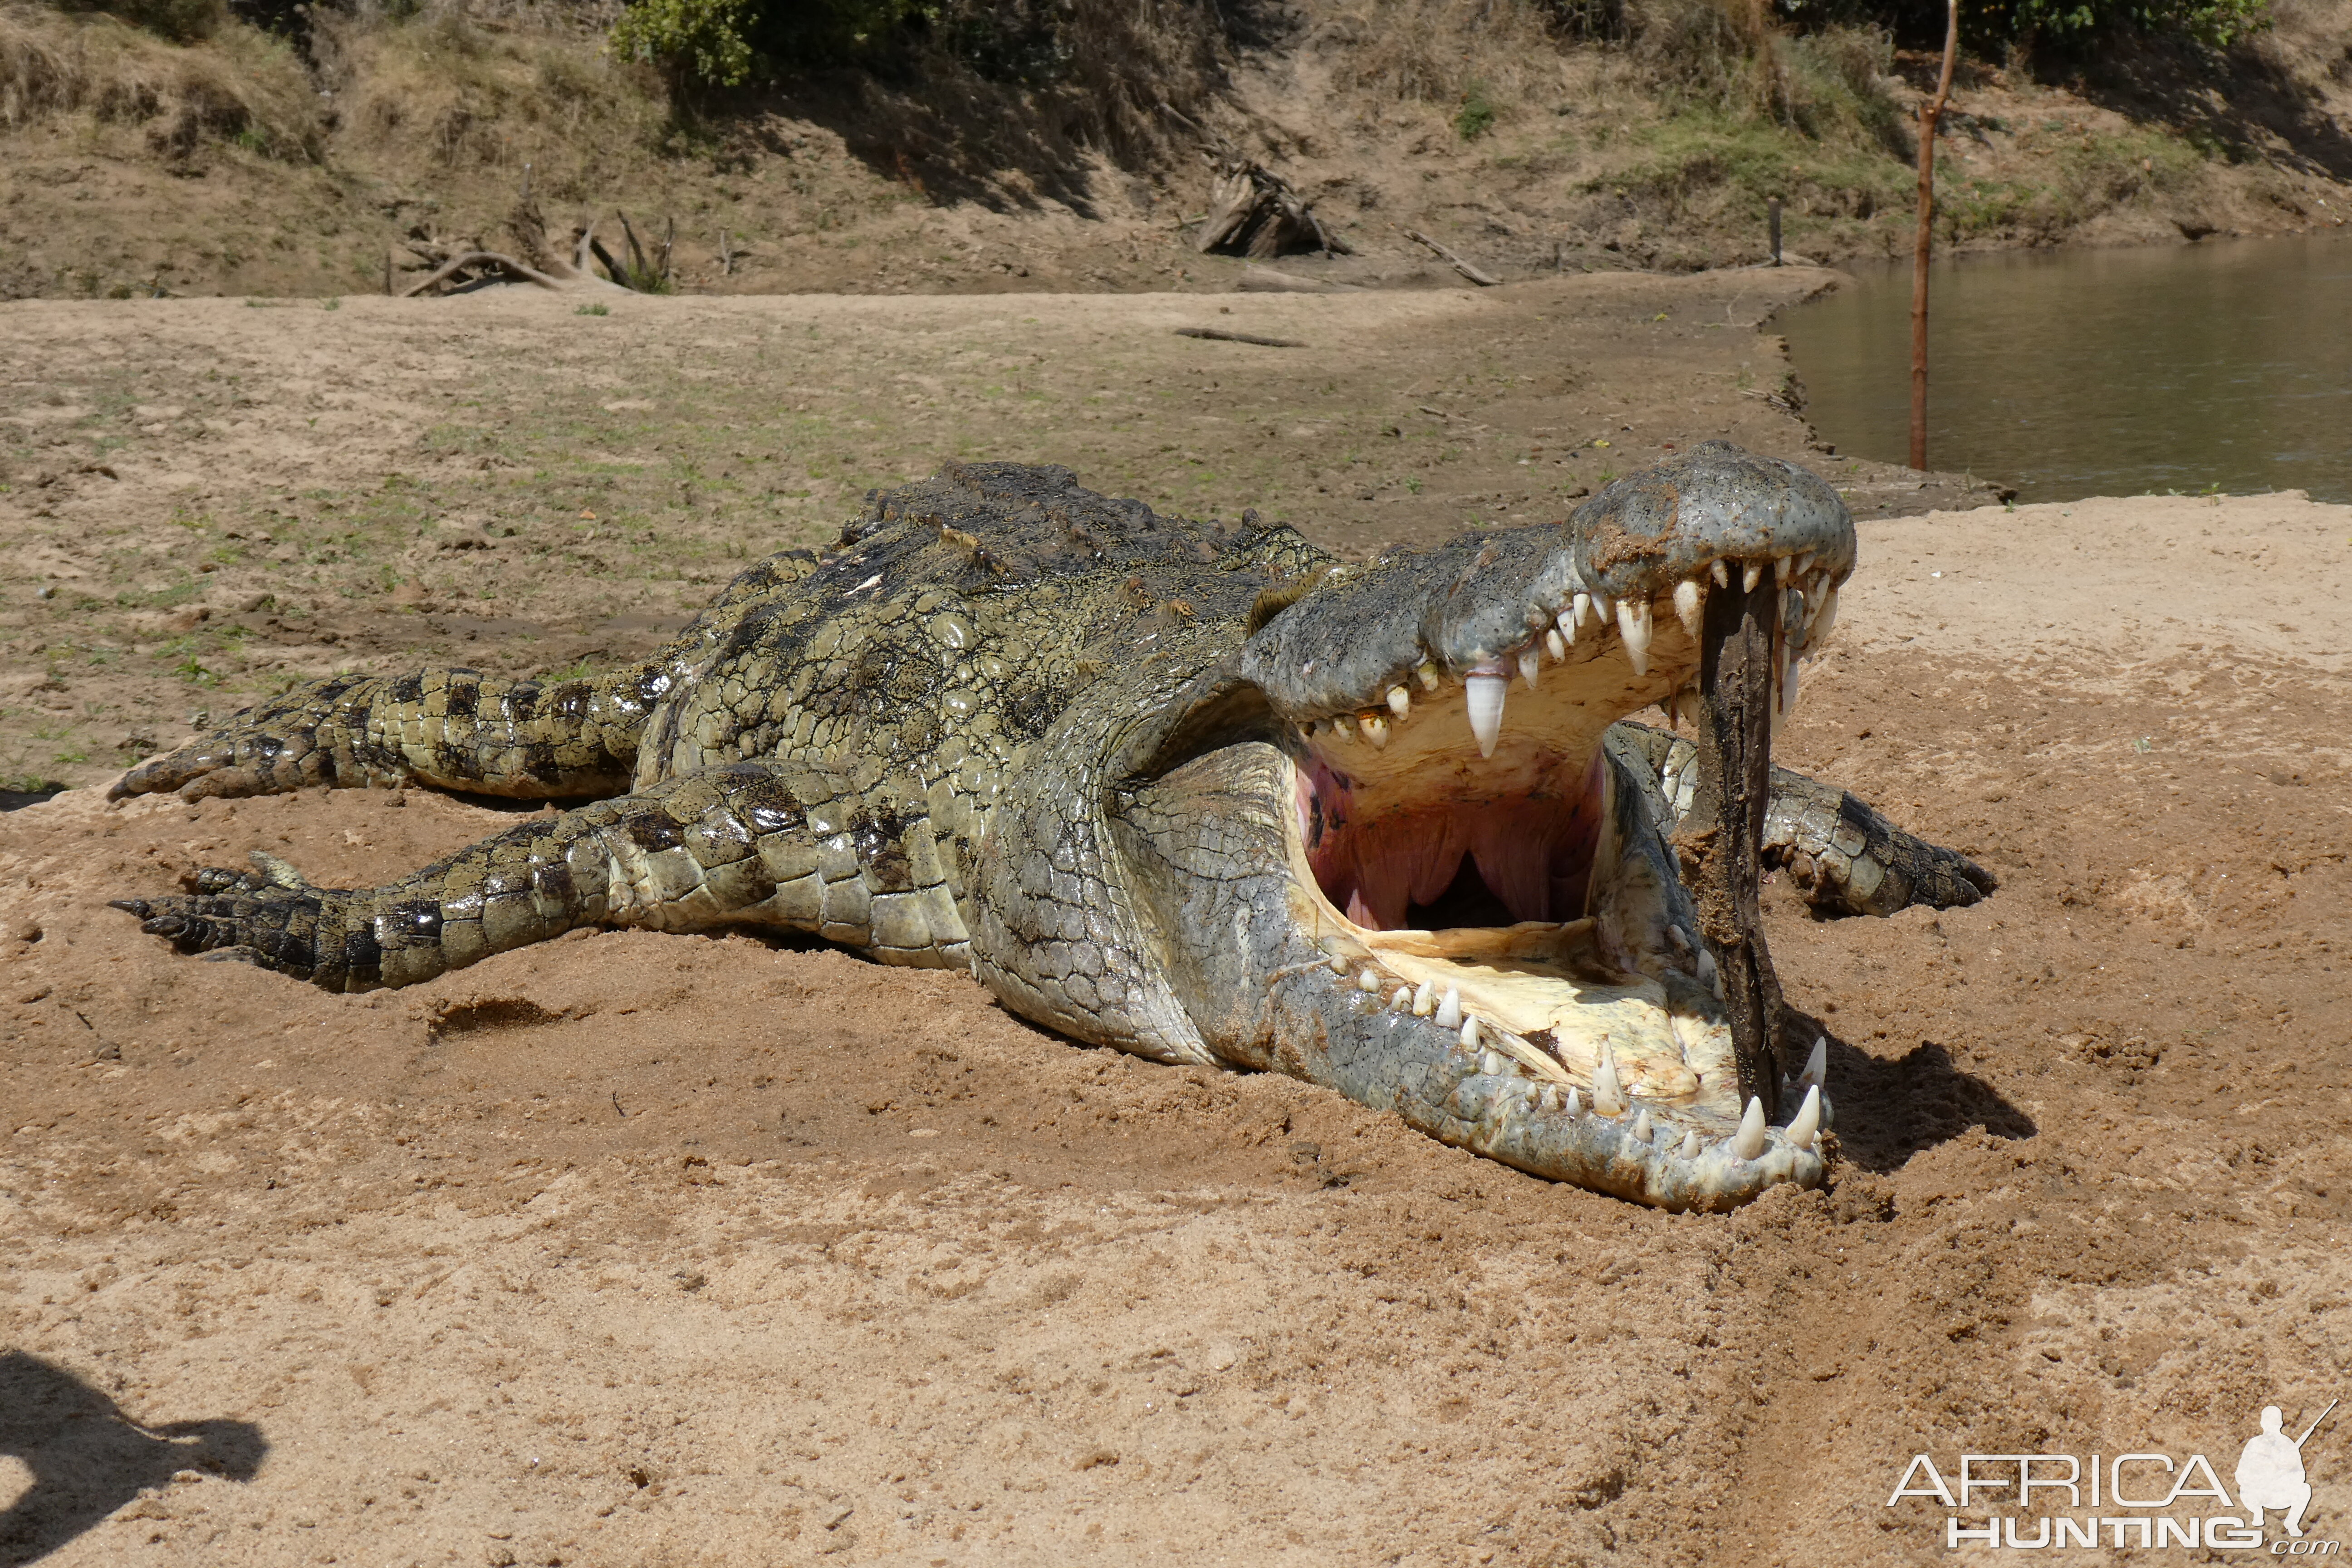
x=1582 y=991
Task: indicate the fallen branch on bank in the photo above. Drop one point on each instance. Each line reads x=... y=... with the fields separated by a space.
x=1221 y=335
x=1478 y=275
x=454 y=267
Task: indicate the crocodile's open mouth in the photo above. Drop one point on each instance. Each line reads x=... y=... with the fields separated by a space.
x=1470 y=858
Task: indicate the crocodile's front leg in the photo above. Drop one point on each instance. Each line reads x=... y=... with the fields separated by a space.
x=749 y=844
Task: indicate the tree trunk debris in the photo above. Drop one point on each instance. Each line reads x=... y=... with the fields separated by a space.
x=1253 y=212
x=459 y=267
x=1219 y=335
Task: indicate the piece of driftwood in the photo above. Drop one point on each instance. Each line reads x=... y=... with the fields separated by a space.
x=1223 y=336
x=1478 y=275
x=1266 y=280
x=456 y=267
x=1254 y=212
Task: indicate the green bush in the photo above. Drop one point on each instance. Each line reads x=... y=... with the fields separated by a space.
x=697 y=42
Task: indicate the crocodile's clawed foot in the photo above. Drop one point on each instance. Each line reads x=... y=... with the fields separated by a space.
x=270 y=916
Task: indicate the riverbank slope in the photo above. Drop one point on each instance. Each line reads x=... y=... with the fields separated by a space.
x=247 y=165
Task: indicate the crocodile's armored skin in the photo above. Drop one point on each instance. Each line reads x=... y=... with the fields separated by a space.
x=1193 y=790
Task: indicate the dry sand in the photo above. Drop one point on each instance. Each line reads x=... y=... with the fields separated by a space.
x=635 y=1249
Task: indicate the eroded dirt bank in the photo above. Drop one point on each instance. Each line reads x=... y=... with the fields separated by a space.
x=632 y=1250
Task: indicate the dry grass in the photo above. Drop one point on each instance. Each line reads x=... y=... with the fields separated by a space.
x=447 y=88
x=1445 y=51
x=239 y=86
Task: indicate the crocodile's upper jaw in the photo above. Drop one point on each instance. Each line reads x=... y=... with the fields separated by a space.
x=1473 y=889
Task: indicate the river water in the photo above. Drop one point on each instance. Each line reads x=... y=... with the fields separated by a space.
x=2074 y=373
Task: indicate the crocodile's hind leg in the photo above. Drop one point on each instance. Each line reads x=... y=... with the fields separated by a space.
x=749 y=844
x=454 y=729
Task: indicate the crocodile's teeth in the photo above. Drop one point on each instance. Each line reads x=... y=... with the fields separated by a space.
x=1606 y=1097
x=1602 y=611
x=1721 y=573
x=1819 y=633
x=1749 y=1141
x=1808 y=1120
x=1530 y=665
x=1633 y=626
x=1339 y=964
x=1420 y=1000
x=1803 y=565
x=1400 y=701
x=1566 y=621
x=1642 y=1130
x=1486 y=689
x=1555 y=647
x=1689 y=600
x=1427 y=675
x=1781 y=569
x=1469 y=1034
x=1789 y=684
x=1491 y=1063
x=1403 y=1001
x=1707 y=971
x=1376 y=730
x=1449 y=1011
x=1578 y=607
x=1751 y=576
x=1370 y=981
x=1573 y=1103
x=1817 y=1065
x=1690 y=1146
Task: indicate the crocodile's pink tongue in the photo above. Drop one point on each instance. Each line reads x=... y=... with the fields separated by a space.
x=1739 y=653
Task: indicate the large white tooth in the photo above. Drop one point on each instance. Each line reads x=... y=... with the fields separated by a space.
x=1580 y=607
x=1690 y=602
x=1706 y=974
x=1547 y=1097
x=1749 y=1141
x=1491 y=1063
x=1808 y=1122
x=1690 y=1146
x=1370 y=980
x=1633 y=626
x=1343 y=729
x=1721 y=573
x=1819 y=632
x=1789 y=684
x=1781 y=569
x=1572 y=1103
x=1427 y=675
x=1486 y=689
x=1449 y=1010
x=1469 y=1034
x=1400 y=701
x=1804 y=564
x=1403 y=1000
x=1555 y=647
x=1566 y=621
x=1422 y=999
x=1376 y=730
x=1339 y=964
x=1642 y=1132
x=1530 y=665
x=1677 y=938
x=1817 y=1065
x=1608 y=1098
x=1751 y=576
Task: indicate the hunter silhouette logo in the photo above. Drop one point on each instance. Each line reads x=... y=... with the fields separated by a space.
x=2270 y=1471
x=2142 y=1500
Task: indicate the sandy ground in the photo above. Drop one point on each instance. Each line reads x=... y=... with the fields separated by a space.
x=640 y=1250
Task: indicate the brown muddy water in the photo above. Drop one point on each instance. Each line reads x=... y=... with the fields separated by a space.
x=2223 y=365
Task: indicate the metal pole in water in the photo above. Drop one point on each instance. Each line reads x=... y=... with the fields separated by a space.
x=1930 y=111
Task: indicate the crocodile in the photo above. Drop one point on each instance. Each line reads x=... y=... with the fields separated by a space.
x=1196 y=790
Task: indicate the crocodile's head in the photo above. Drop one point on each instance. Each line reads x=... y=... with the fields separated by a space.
x=1385 y=847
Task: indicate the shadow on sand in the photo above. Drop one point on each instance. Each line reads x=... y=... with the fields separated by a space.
x=89 y=1458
